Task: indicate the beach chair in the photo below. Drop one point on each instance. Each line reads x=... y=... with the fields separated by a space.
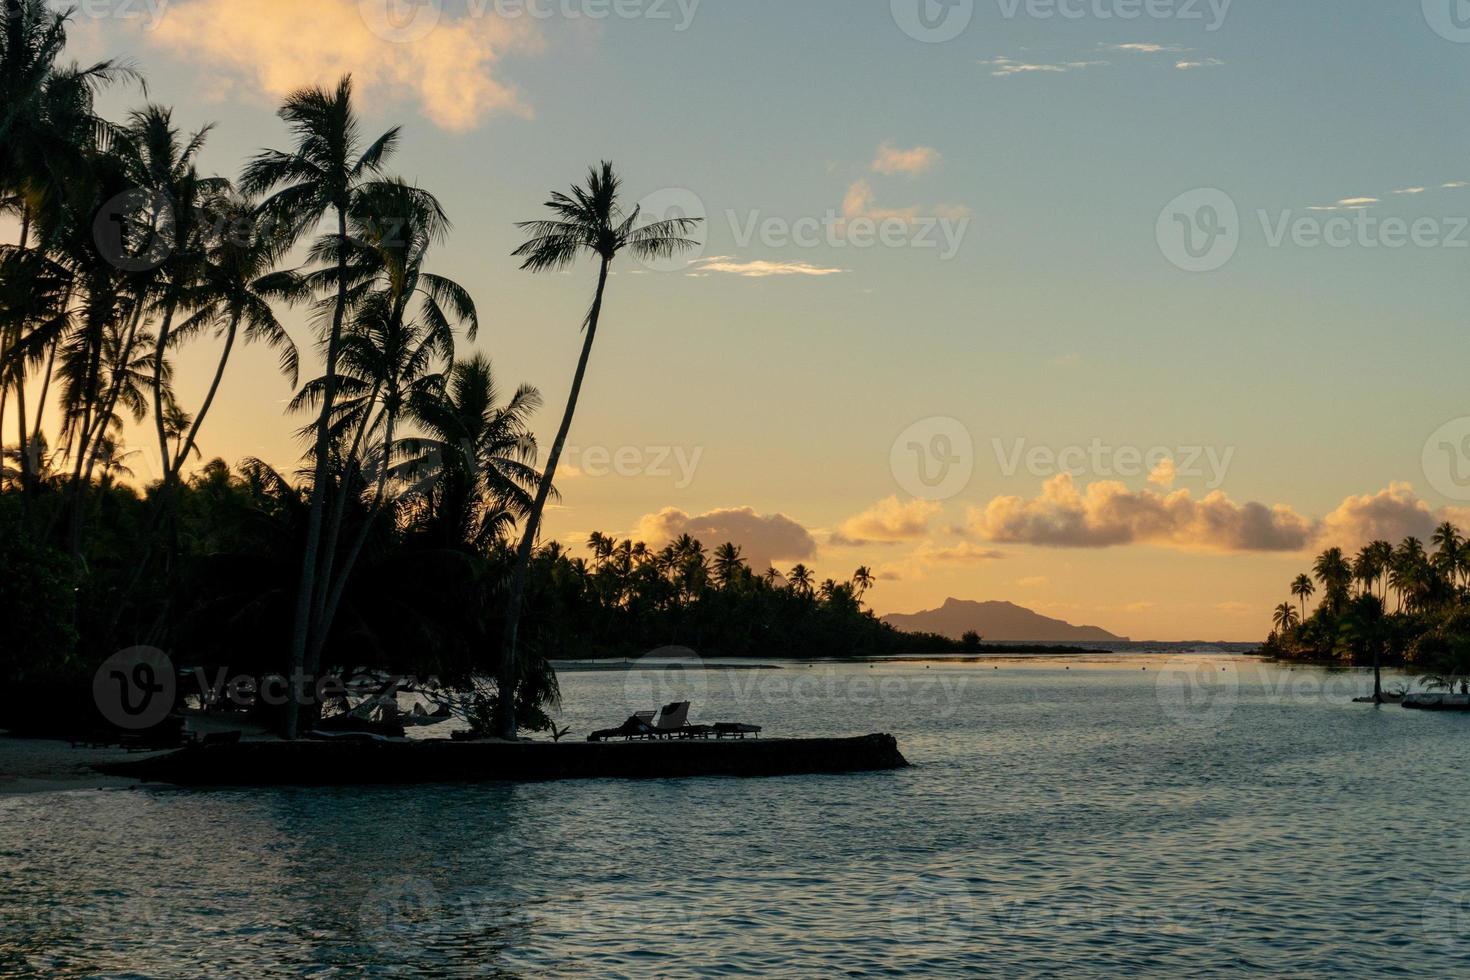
x=637 y=727
x=673 y=720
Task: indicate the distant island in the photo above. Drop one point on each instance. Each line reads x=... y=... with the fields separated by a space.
x=997 y=622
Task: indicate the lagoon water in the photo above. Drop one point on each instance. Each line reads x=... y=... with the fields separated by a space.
x=1145 y=815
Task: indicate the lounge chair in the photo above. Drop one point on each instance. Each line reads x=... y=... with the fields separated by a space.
x=673 y=721
x=727 y=730
x=638 y=726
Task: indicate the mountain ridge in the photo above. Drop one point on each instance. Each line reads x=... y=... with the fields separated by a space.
x=997 y=622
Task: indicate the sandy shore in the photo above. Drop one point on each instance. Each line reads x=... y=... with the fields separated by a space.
x=30 y=765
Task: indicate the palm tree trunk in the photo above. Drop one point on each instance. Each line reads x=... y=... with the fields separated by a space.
x=301 y=628
x=187 y=446
x=334 y=599
x=507 y=678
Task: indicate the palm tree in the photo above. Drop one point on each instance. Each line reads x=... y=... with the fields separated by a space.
x=1336 y=575
x=1366 y=569
x=473 y=468
x=236 y=289
x=799 y=581
x=1285 y=618
x=1447 y=557
x=590 y=221
x=1382 y=553
x=328 y=171
x=863 y=580
x=1303 y=589
x=728 y=565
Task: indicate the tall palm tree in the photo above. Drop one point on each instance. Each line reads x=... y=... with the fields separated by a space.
x=863 y=580
x=1336 y=575
x=1448 y=546
x=591 y=222
x=329 y=171
x=235 y=290
x=1366 y=569
x=1303 y=589
x=1382 y=552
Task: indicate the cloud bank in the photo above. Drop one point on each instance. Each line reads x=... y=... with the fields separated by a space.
x=276 y=46
x=764 y=538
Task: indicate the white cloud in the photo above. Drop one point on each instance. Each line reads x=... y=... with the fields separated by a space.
x=1411 y=190
x=1005 y=67
x=1138 y=47
x=759 y=268
x=1201 y=63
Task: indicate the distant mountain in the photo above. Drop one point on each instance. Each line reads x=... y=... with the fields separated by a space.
x=998 y=622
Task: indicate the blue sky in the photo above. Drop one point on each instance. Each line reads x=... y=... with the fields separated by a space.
x=1059 y=321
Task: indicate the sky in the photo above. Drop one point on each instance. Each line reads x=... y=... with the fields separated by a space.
x=1117 y=309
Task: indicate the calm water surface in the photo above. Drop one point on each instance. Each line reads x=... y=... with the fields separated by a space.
x=1211 y=817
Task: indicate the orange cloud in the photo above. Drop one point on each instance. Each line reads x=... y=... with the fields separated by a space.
x=275 y=46
x=1108 y=514
x=888 y=521
x=764 y=538
x=892 y=160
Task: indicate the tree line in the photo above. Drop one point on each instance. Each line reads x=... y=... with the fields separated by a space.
x=409 y=535
x=1404 y=604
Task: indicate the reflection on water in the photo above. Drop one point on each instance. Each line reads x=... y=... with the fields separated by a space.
x=1140 y=815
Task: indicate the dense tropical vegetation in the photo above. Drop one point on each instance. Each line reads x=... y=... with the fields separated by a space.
x=408 y=538
x=1393 y=605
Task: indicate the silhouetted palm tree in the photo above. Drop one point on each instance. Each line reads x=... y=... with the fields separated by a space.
x=328 y=172
x=1303 y=589
x=588 y=222
x=1285 y=617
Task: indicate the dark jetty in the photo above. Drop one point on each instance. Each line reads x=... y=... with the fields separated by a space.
x=273 y=763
